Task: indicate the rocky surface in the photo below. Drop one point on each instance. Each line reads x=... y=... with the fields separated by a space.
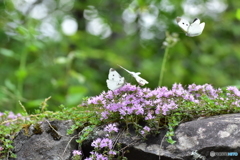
x=202 y=139
x=217 y=134
x=45 y=141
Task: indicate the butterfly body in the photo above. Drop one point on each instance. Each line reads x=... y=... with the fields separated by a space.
x=193 y=29
x=115 y=80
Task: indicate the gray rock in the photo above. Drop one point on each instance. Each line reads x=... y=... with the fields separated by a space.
x=43 y=141
x=201 y=139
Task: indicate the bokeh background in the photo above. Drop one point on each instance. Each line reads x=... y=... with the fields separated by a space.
x=64 y=48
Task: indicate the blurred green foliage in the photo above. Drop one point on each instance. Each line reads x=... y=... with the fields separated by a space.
x=38 y=58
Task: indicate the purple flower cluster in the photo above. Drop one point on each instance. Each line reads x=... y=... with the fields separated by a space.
x=102 y=143
x=233 y=91
x=206 y=89
x=9 y=118
x=145 y=130
x=76 y=153
x=11 y=115
x=111 y=128
x=233 y=95
x=97 y=156
x=143 y=103
x=133 y=100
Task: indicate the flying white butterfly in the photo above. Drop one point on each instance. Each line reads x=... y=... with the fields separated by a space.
x=114 y=80
x=140 y=80
x=193 y=29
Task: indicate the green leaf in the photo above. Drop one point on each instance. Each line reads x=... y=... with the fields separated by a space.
x=170 y=140
x=22 y=30
x=6 y=52
x=10 y=85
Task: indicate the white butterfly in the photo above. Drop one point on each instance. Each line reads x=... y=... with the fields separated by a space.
x=140 y=80
x=114 y=80
x=193 y=29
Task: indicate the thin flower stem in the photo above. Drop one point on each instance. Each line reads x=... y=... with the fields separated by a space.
x=163 y=66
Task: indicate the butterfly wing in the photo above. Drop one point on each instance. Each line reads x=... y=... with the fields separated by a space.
x=183 y=24
x=113 y=74
x=140 y=80
x=114 y=80
x=202 y=25
x=132 y=73
x=113 y=85
x=195 y=29
x=196 y=21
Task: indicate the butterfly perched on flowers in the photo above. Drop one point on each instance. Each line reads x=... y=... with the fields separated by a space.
x=191 y=29
x=115 y=80
x=140 y=80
